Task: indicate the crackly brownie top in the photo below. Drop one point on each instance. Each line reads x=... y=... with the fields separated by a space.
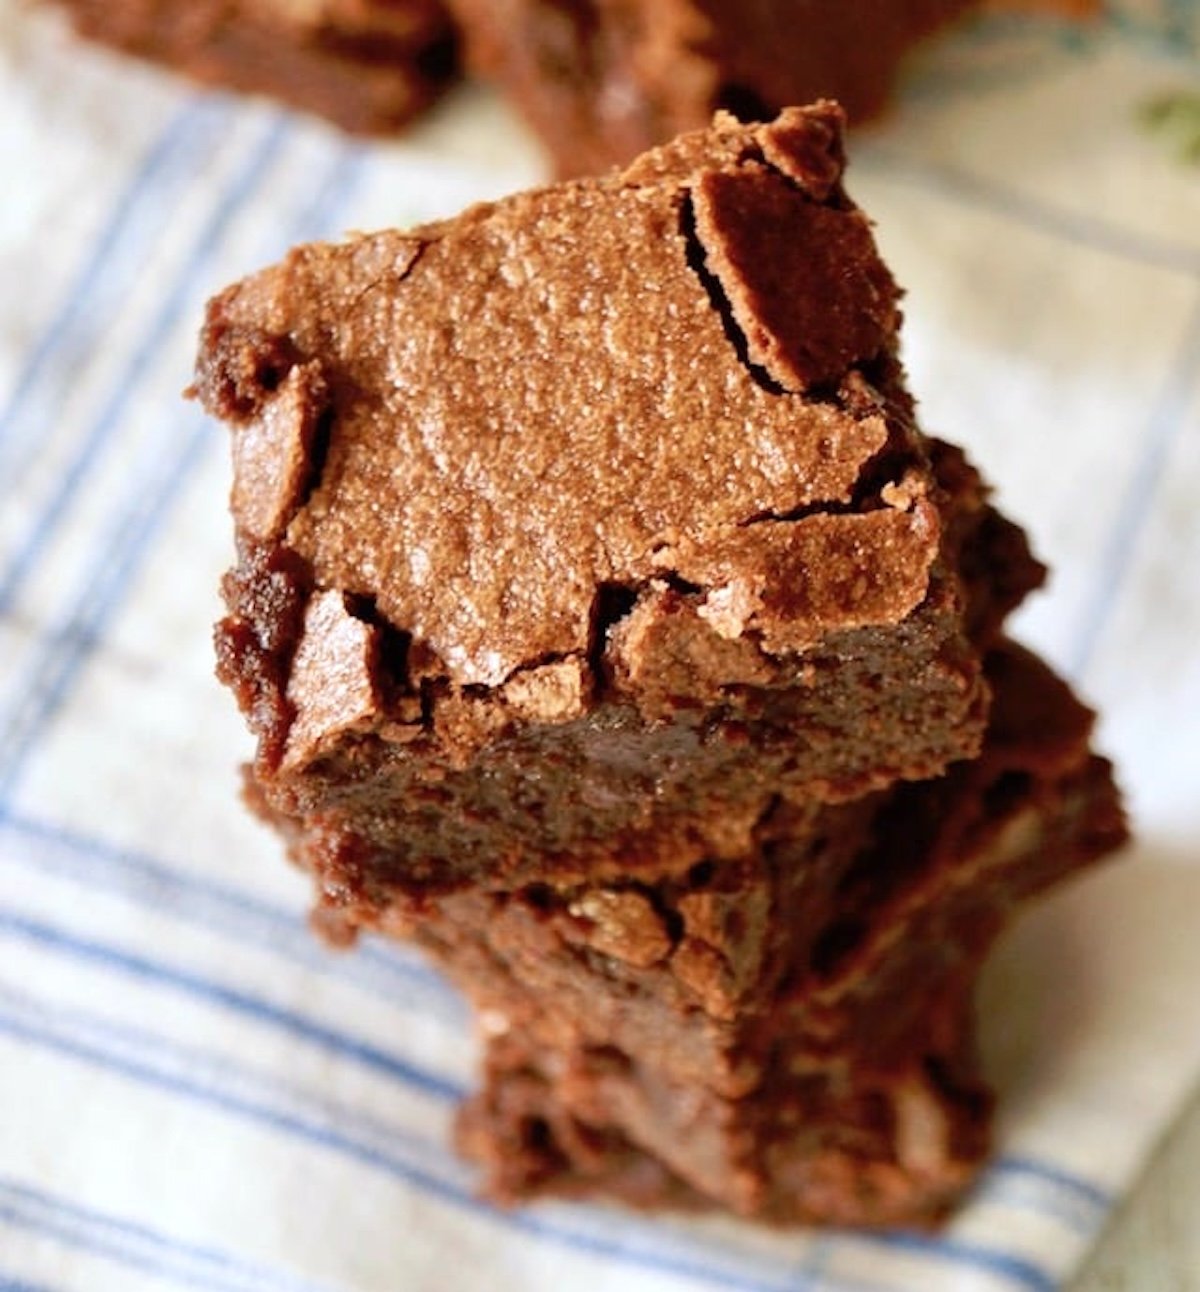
x=665 y=375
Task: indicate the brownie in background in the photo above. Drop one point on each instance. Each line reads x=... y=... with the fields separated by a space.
x=369 y=66
x=603 y=80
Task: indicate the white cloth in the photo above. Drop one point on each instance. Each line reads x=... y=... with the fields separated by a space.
x=194 y=1092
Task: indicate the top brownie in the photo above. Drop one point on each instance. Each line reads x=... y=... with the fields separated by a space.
x=602 y=80
x=576 y=531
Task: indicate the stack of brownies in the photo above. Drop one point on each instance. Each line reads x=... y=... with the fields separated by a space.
x=610 y=629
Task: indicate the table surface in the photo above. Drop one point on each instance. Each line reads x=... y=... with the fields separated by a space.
x=1153 y=1243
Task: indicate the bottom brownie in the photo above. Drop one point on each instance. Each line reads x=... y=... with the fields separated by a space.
x=837 y=1146
x=859 y=1100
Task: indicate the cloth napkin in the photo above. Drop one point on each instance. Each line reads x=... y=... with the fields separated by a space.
x=195 y=1093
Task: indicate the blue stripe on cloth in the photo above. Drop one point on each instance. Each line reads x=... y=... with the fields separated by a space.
x=32 y=1207
x=1021 y=1183
x=1173 y=26
x=113 y=262
x=240 y=1002
x=18 y=1285
x=1001 y=55
x=1013 y=1269
x=95 y=1245
x=941 y=1252
x=1016 y=1194
x=1079 y=230
x=252 y=173
x=1183 y=25
x=1084 y=1190
x=387 y=972
x=419 y=1137
x=1167 y=418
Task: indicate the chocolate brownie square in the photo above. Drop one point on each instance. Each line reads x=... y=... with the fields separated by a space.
x=368 y=65
x=603 y=80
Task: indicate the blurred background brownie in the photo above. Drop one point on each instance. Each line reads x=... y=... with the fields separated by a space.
x=602 y=80
x=369 y=66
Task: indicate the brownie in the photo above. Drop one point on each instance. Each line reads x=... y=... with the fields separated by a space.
x=858 y=1099
x=368 y=65
x=577 y=531
x=602 y=80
